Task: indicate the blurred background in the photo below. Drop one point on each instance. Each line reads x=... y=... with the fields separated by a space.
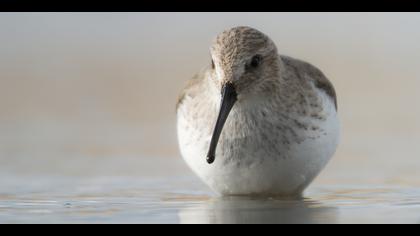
x=93 y=94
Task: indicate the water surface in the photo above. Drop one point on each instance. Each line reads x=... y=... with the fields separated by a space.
x=182 y=198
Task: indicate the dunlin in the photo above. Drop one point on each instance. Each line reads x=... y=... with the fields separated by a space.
x=254 y=122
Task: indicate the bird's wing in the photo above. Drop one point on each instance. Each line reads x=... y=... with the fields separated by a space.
x=324 y=84
x=318 y=78
x=191 y=88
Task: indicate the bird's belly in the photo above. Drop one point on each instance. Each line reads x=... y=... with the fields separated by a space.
x=262 y=168
x=257 y=165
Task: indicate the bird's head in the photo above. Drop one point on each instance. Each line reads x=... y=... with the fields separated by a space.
x=242 y=59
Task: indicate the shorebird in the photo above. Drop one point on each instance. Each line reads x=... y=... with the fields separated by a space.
x=254 y=122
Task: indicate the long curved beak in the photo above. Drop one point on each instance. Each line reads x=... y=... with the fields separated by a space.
x=229 y=97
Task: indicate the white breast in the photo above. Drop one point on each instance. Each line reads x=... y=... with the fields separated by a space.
x=249 y=168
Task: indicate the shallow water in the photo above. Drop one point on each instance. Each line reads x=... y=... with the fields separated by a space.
x=183 y=199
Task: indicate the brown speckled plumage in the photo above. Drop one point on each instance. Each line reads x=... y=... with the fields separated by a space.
x=281 y=104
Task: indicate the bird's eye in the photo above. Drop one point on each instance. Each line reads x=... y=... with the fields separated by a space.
x=212 y=64
x=256 y=60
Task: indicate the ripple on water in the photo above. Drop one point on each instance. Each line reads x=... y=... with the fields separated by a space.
x=186 y=200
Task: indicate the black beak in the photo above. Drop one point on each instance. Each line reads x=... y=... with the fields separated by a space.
x=229 y=97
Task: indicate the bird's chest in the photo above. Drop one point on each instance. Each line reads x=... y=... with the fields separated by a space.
x=252 y=136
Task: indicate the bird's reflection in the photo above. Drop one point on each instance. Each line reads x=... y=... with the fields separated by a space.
x=232 y=210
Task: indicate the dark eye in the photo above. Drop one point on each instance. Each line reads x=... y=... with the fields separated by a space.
x=256 y=61
x=212 y=64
